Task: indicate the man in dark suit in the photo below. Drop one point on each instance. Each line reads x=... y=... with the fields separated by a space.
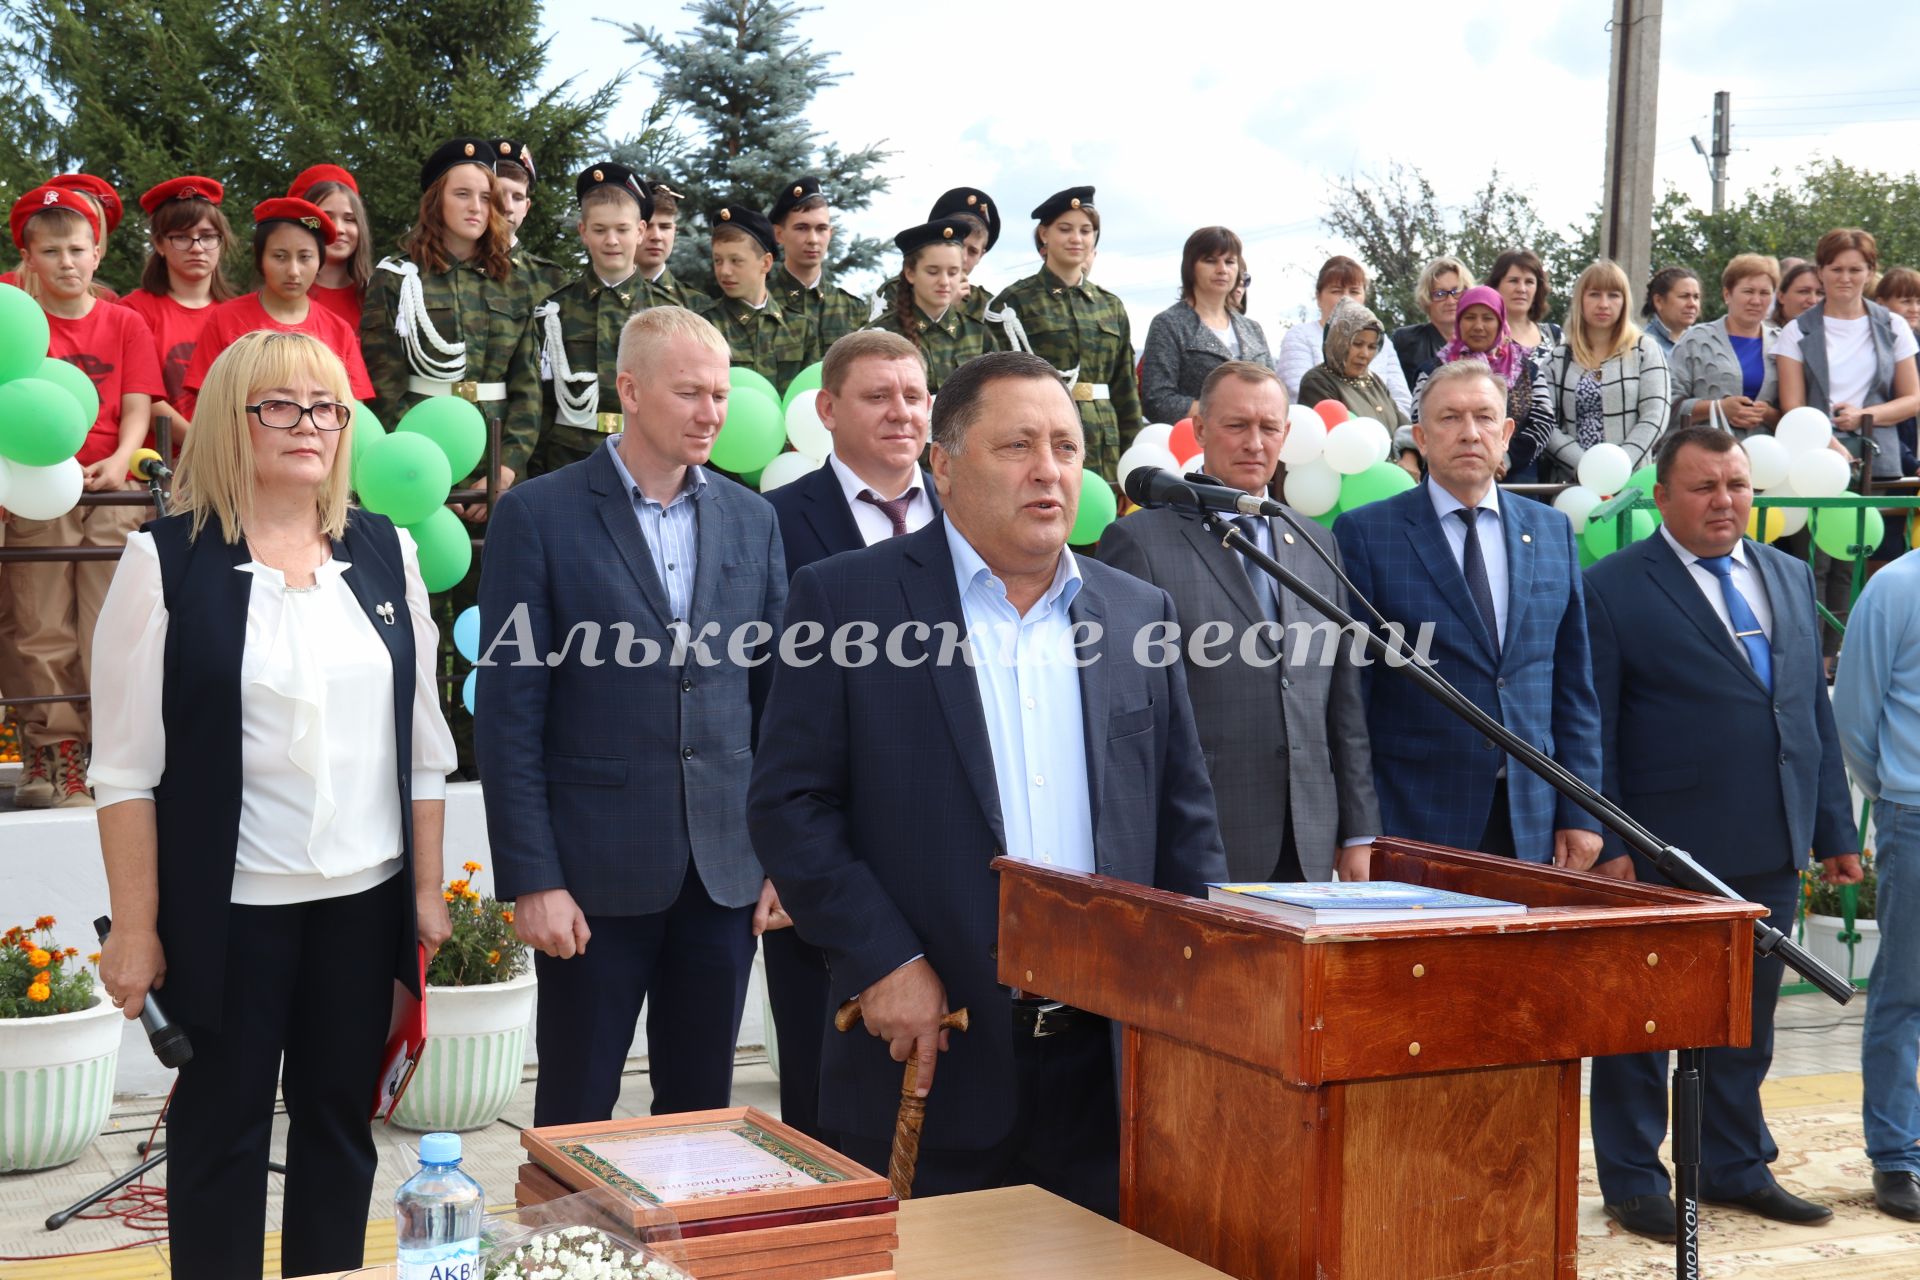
x=1498 y=578
x=1720 y=738
x=873 y=398
x=616 y=711
x=890 y=779
x=1284 y=733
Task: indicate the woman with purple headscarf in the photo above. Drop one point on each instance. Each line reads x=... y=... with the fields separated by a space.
x=1481 y=333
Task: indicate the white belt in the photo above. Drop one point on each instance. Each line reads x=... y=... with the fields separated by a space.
x=474 y=391
x=1089 y=391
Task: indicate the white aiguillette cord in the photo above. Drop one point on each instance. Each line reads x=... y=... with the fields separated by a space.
x=412 y=324
x=1017 y=335
x=573 y=408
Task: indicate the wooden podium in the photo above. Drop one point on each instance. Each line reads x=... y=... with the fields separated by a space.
x=1385 y=1102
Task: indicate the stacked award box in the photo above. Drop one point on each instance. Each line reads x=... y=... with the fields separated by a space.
x=722 y=1194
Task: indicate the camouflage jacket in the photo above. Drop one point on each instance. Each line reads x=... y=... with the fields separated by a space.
x=776 y=343
x=1080 y=330
x=974 y=305
x=835 y=310
x=588 y=316
x=947 y=343
x=668 y=292
x=544 y=274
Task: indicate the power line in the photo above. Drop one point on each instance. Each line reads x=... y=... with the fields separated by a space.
x=1844 y=93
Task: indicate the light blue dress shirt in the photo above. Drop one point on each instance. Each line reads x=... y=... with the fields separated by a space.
x=672 y=532
x=1876 y=695
x=1030 y=694
x=1493 y=542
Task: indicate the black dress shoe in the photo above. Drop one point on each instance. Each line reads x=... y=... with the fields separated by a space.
x=1776 y=1202
x=1897 y=1192
x=1650 y=1216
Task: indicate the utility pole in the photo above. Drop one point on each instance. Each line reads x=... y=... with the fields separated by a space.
x=1633 y=95
x=1722 y=147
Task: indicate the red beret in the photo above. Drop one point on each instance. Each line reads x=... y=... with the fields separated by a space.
x=189 y=187
x=313 y=175
x=99 y=188
x=41 y=199
x=307 y=214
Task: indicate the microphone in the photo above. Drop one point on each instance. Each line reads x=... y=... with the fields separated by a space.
x=1156 y=487
x=170 y=1043
x=149 y=466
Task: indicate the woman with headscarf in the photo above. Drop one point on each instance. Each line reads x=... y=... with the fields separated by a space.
x=1481 y=333
x=1354 y=335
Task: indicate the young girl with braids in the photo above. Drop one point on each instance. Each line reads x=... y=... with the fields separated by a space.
x=926 y=310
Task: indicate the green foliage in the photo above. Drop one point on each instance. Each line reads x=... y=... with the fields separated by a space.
x=740 y=83
x=252 y=91
x=37 y=978
x=483 y=948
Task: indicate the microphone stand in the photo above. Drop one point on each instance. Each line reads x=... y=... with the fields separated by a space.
x=1676 y=865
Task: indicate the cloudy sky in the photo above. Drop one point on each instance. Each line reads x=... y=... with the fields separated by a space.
x=1241 y=113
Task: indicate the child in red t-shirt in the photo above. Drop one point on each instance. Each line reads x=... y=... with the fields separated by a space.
x=342 y=283
x=290 y=238
x=55 y=604
x=183 y=280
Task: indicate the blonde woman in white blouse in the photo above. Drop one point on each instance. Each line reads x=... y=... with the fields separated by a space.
x=270 y=770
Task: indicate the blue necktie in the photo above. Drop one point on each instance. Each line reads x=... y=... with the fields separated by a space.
x=1745 y=625
x=1257 y=578
x=1474 y=566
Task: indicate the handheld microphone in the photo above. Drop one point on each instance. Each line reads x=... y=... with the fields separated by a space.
x=148 y=466
x=170 y=1043
x=1155 y=487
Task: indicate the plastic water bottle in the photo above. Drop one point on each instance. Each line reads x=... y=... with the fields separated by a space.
x=436 y=1215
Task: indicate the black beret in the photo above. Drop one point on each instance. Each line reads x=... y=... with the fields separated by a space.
x=974 y=201
x=608 y=174
x=939 y=231
x=751 y=221
x=1062 y=201
x=459 y=151
x=793 y=193
x=507 y=151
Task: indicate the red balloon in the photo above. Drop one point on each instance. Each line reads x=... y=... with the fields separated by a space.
x=1332 y=412
x=1181 y=443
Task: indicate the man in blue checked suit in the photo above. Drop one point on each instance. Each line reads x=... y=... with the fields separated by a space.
x=616 y=761
x=1499 y=578
x=884 y=788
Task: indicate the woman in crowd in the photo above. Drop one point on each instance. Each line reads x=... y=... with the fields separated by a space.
x=1899 y=292
x=289 y=239
x=183 y=280
x=1729 y=362
x=982 y=214
x=1799 y=289
x=1301 y=348
x=271 y=801
x=1354 y=338
x=1076 y=326
x=1521 y=278
x=1609 y=380
x=1483 y=334
x=1673 y=303
x=1200 y=332
x=926 y=307
x=349 y=262
x=1442 y=281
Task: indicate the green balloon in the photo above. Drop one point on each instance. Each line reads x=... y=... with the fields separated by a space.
x=751 y=479
x=753 y=434
x=1381 y=480
x=453 y=423
x=1602 y=537
x=808 y=379
x=1644 y=479
x=77 y=384
x=40 y=423
x=1836 y=532
x=1097 y=509
x=404 y=477
x=742 y=377
x=24 y=334
x=446 y=549
x=363 y=431
x=1326 y=518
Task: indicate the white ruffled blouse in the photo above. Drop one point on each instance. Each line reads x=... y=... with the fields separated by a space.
x=319 y=812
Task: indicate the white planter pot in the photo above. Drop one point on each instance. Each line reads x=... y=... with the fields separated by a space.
x=1823 y=943
x=56 y=1085
x=476 y=1042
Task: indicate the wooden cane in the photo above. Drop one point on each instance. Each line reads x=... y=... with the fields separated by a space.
x=913 y=1107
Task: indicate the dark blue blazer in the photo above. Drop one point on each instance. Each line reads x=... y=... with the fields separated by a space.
x=1696 y=747
x=875 y=810
x=605 y=776
x=814 y=520
x=1434 y=775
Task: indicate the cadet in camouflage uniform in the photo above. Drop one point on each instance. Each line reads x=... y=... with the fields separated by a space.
x=924 y=311
x=803 y=226
x=761 y=334
x=658 y=288
x=513 y=179
x=578 y=328
x=983 y=231
x=1076 y=326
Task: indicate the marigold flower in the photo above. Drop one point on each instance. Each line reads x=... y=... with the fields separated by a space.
x=506 y=914
x=44 y=922
x=447 y=896
x=470 y=867
x=39 y=993
x=493 y=957
x=42 y=976
x=458 y=886
x=470 y=895
x=93 y=957
x=71 y=952
x=38 y=959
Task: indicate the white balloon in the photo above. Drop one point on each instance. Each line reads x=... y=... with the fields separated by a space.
x=6 y=479
x=1306 y=436
x=1819 y=474
x=1380 y=438
x=1767 y=459
x=1349 y=449
x=1198 y=462
x=44 y=493
x=1146 y=455
x=1803 y=430
x=1312 y=488
x=1605 y=469
x=1576 y=502
x=1154 y=433
x=787 y=468
x=804 y=428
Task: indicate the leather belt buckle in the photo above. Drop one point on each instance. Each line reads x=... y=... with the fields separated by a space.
x=467 y=390
x=1083 y=391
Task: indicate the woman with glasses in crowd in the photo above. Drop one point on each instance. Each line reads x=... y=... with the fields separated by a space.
x=1442 y=281
x=183 y=281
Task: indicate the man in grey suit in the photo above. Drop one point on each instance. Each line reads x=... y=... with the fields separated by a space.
x=1282 y=724
x=625 y=601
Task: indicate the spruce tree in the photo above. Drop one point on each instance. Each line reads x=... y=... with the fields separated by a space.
x=742 y=80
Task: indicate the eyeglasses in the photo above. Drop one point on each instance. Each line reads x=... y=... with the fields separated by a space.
x=285 y=415
x=182 y=242
x=1441 y=295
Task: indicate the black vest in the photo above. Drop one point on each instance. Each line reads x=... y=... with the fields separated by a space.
x=197 y=803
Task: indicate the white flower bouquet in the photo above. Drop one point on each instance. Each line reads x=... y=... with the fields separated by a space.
x=590 y=1235
x=578 y=1253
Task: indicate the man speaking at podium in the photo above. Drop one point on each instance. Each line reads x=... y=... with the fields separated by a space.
x=888 y=778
